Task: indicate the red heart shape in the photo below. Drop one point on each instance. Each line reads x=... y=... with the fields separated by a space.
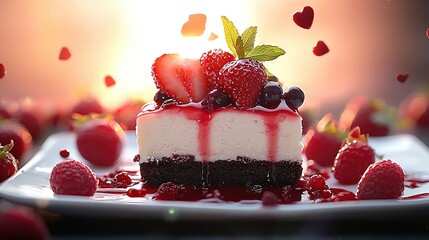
x=64 y=54
x=320 y=49
x=195 y=26
x=2 y=71
x=402 y=77
x=305 y=18
x=109 y=81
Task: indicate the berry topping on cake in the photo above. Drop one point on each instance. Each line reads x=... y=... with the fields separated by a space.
x=294 y=97
x=160 y=97
x=8 y=163
x=211 y=63
x=353 y=159
x=180 y=78
x=271 y=95
x=320 y=49
x=72 y=177
x=243 y=80
x=305 y=18
x=216 y=99
x=99 y=140
x=382 y=180
x=323 y=141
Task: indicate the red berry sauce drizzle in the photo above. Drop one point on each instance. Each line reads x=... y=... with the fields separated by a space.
x=309 y=189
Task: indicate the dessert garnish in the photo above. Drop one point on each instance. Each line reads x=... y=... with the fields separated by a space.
x=99 y=139
x=13 y=130
x=320 y=49
x=382 y=180
x=323 y=141
x=72 y=177
x=353 y=158
x=64 y=153
x=8 y=163
x=64 y=54
x=109 y=81
x=305 y=18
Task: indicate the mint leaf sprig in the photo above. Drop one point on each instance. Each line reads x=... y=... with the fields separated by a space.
x=243 y=46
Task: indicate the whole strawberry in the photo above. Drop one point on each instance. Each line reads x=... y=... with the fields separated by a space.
x=72 y=177
x=85 y=107
x=12 y=130
x=100 y=141
x=22 y=223
x=8 y=163
x=211 y=63
x=382 y=180
x=321 y=143
x=243 y=80
x=353 y=159
x=371 y=115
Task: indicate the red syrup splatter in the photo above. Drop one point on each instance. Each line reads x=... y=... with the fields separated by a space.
x=416 y=196
x=415 y=183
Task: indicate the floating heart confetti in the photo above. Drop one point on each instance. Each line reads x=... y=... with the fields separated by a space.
x=2 y=71
x=213 y=36
x=195 y=25
x=305 y=18
x=64 y=54
x=320 y=48
x=109 y=81
x=402 y=77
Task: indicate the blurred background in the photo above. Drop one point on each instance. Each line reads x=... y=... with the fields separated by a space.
x=369 y=41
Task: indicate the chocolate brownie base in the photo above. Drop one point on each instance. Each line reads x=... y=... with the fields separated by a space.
x=183 y=169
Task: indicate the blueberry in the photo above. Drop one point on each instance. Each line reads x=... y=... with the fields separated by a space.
x=160 y=97
x=215 y=100
x=271 y=95
x=294 y=97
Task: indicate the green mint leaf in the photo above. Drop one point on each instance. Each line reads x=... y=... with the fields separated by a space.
x=239 y=47
x=231 y=34
x=248 y=37
x=265 y=53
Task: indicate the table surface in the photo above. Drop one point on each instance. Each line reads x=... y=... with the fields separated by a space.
x=404 y=225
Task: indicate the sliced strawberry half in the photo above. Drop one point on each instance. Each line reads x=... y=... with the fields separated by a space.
x=180 y=78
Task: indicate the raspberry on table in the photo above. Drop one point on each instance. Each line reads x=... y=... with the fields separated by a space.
x=72 y=177
x=382 y=180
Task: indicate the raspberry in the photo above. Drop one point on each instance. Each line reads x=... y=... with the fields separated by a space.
x=22 y=223
x=243 y=81
x=352 y=161
x=167 y=191
x=269 y=199
x=72 y=177
x=382 y=180
x=316 y=183
x=211 y=63
x=121 y=180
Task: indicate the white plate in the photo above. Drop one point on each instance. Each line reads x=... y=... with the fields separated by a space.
x=30 y=186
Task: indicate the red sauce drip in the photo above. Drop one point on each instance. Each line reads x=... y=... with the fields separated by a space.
x=415 y=183
x=416 y=196
x=272 y=129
